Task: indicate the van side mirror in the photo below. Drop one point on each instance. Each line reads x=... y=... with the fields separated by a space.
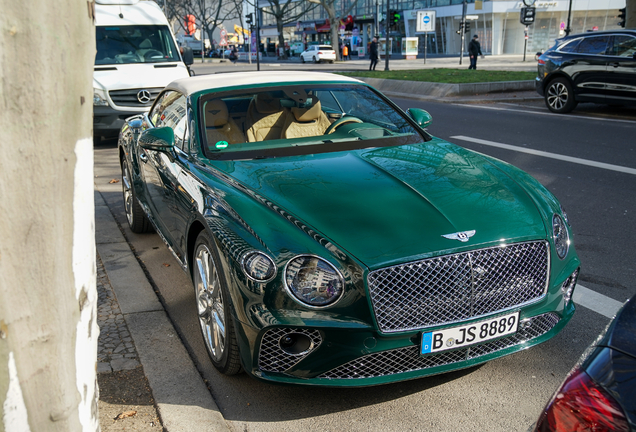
x=158 y=139
x=187 y=55
x=421 y=117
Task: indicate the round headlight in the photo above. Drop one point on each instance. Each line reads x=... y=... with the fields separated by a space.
x=313 y=281
x=258 y=266
x=565 y=215
x=561 y=236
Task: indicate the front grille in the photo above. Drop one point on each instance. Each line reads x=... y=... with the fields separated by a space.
x=272 y=358
x=408 y=359
x=129 y=97
x=453 y=288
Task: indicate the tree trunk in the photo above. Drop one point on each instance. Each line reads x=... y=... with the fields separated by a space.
x=48 y=297
x=630 y=14
x=334 y=21
x=281 y=40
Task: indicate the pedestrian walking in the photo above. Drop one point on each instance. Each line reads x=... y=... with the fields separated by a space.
x=474 y=49
x=345 y=52
x=373 y=53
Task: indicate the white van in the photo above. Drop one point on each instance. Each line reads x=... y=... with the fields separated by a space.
x=137 y=56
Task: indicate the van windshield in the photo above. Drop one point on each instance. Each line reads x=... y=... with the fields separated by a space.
x=134 y=44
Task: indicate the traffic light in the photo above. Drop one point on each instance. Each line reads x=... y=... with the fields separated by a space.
x=467 y=27
x=621 y=16
x=249 y=17
x=395 y=18
x=461 y=28
x=527 y=15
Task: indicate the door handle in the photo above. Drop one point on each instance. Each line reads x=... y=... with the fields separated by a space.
x=615 y=64
x=143 y=157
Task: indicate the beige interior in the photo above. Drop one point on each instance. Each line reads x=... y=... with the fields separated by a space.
x=266 y=117
x=306 y=122
x=219 y=125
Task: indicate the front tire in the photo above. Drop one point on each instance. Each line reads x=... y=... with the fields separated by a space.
x=213 y=307
x=302 y=59
x=559 y=96
x=137 y=219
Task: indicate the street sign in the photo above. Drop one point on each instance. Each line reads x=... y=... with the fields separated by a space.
x=223 y=33
x=425 y=21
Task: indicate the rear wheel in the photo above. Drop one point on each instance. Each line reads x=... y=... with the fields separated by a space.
x=316 y=61
x=213 y=307
x=137 y=219
x=559 y=97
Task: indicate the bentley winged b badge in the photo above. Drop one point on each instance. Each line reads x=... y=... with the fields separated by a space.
x=462 y=236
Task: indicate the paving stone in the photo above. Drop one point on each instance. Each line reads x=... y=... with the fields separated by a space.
x=124 y=364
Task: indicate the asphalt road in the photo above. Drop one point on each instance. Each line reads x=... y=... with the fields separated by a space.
x=503 y=395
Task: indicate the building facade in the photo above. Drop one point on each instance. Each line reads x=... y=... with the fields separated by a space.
x=495 y=21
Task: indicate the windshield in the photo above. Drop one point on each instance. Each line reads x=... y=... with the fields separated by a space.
x=301 y=119
x=134 y=44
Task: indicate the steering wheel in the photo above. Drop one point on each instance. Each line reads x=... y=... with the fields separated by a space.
x=344 y=120
x=152 y=53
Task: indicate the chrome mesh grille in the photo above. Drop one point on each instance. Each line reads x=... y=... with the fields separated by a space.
x=129 y=97
x=453 y=288
x=408 y=359
x=272 y=358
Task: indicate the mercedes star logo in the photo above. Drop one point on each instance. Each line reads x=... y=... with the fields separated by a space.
x=143 y=96
x=462 y=236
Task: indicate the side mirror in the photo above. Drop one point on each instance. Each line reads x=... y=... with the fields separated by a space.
x=421 y=117
x=159 y=139
x=186 y=54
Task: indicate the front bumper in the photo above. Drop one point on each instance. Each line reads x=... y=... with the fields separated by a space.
x=107 y=122
x=352 y=357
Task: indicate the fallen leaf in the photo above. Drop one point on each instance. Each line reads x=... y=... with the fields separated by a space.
x=125 y=414
x=113 y=181
x=166 y=265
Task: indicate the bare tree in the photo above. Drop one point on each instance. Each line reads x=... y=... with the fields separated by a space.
x=286 y=12
x=210 y=14
x=334 y=20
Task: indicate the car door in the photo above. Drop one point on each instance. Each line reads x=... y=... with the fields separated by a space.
x=588 y=68
x=160 y=169
x=621 y=68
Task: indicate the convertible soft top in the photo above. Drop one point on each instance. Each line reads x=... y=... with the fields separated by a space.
x=188 y=86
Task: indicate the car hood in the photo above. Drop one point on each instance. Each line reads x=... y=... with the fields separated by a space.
x=137 y=75
x=394 y=204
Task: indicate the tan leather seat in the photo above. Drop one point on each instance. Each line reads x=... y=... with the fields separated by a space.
x=306 y=122
x=266 y=118
x=219 y=125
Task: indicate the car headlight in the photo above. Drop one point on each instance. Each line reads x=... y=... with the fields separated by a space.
x=258 y=266
x=98 y=100
x=560 y=236
x=565 y=215
x=312 y=281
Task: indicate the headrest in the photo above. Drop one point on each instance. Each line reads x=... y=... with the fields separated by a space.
x=307 y=114
x=145 y=44
x=216 y=113
x=265 y=103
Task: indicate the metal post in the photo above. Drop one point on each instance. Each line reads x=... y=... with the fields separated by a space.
x=377 y=20
x=386 y=45
x=525 y=43
x=258 y=38
x=425 y=46
x=463 y=27
x=567 y=28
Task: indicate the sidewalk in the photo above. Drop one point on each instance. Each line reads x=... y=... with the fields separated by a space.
x=137 y=339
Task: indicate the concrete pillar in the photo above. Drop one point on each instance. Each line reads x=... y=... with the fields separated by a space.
x=630 y=12
x=48 y=298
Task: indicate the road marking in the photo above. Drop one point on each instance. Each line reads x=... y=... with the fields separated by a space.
x=596 y=302
x=605 y=119
x=579 y=161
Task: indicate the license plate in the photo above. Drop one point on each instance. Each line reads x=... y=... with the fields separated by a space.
x=470 y=334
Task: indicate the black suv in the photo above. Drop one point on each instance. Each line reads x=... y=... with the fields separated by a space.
x=595 y=67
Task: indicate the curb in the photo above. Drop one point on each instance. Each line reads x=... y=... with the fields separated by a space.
x=183 y=400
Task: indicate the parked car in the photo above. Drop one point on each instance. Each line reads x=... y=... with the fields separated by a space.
x=318 y=54
x=599 y=394
x=595 y=67
x=332 y=241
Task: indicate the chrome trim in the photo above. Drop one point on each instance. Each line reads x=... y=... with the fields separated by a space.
x=300 y=354
x=272 y=358
x=567 y=234
x=300 y=302
x=251 y=252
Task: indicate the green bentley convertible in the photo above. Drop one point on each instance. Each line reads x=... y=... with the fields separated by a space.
x=332 y=241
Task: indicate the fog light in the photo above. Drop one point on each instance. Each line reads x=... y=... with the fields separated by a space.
x=568 y=286
x=296 y=343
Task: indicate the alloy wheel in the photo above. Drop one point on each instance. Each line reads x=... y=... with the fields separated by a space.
x=210 y=306
x=558 y=96
x=128 y=195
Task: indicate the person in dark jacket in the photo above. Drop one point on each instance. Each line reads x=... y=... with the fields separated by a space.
x=373 y=54
x=474 y=49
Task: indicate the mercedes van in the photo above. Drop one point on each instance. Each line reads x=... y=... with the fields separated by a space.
x=137 y=56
